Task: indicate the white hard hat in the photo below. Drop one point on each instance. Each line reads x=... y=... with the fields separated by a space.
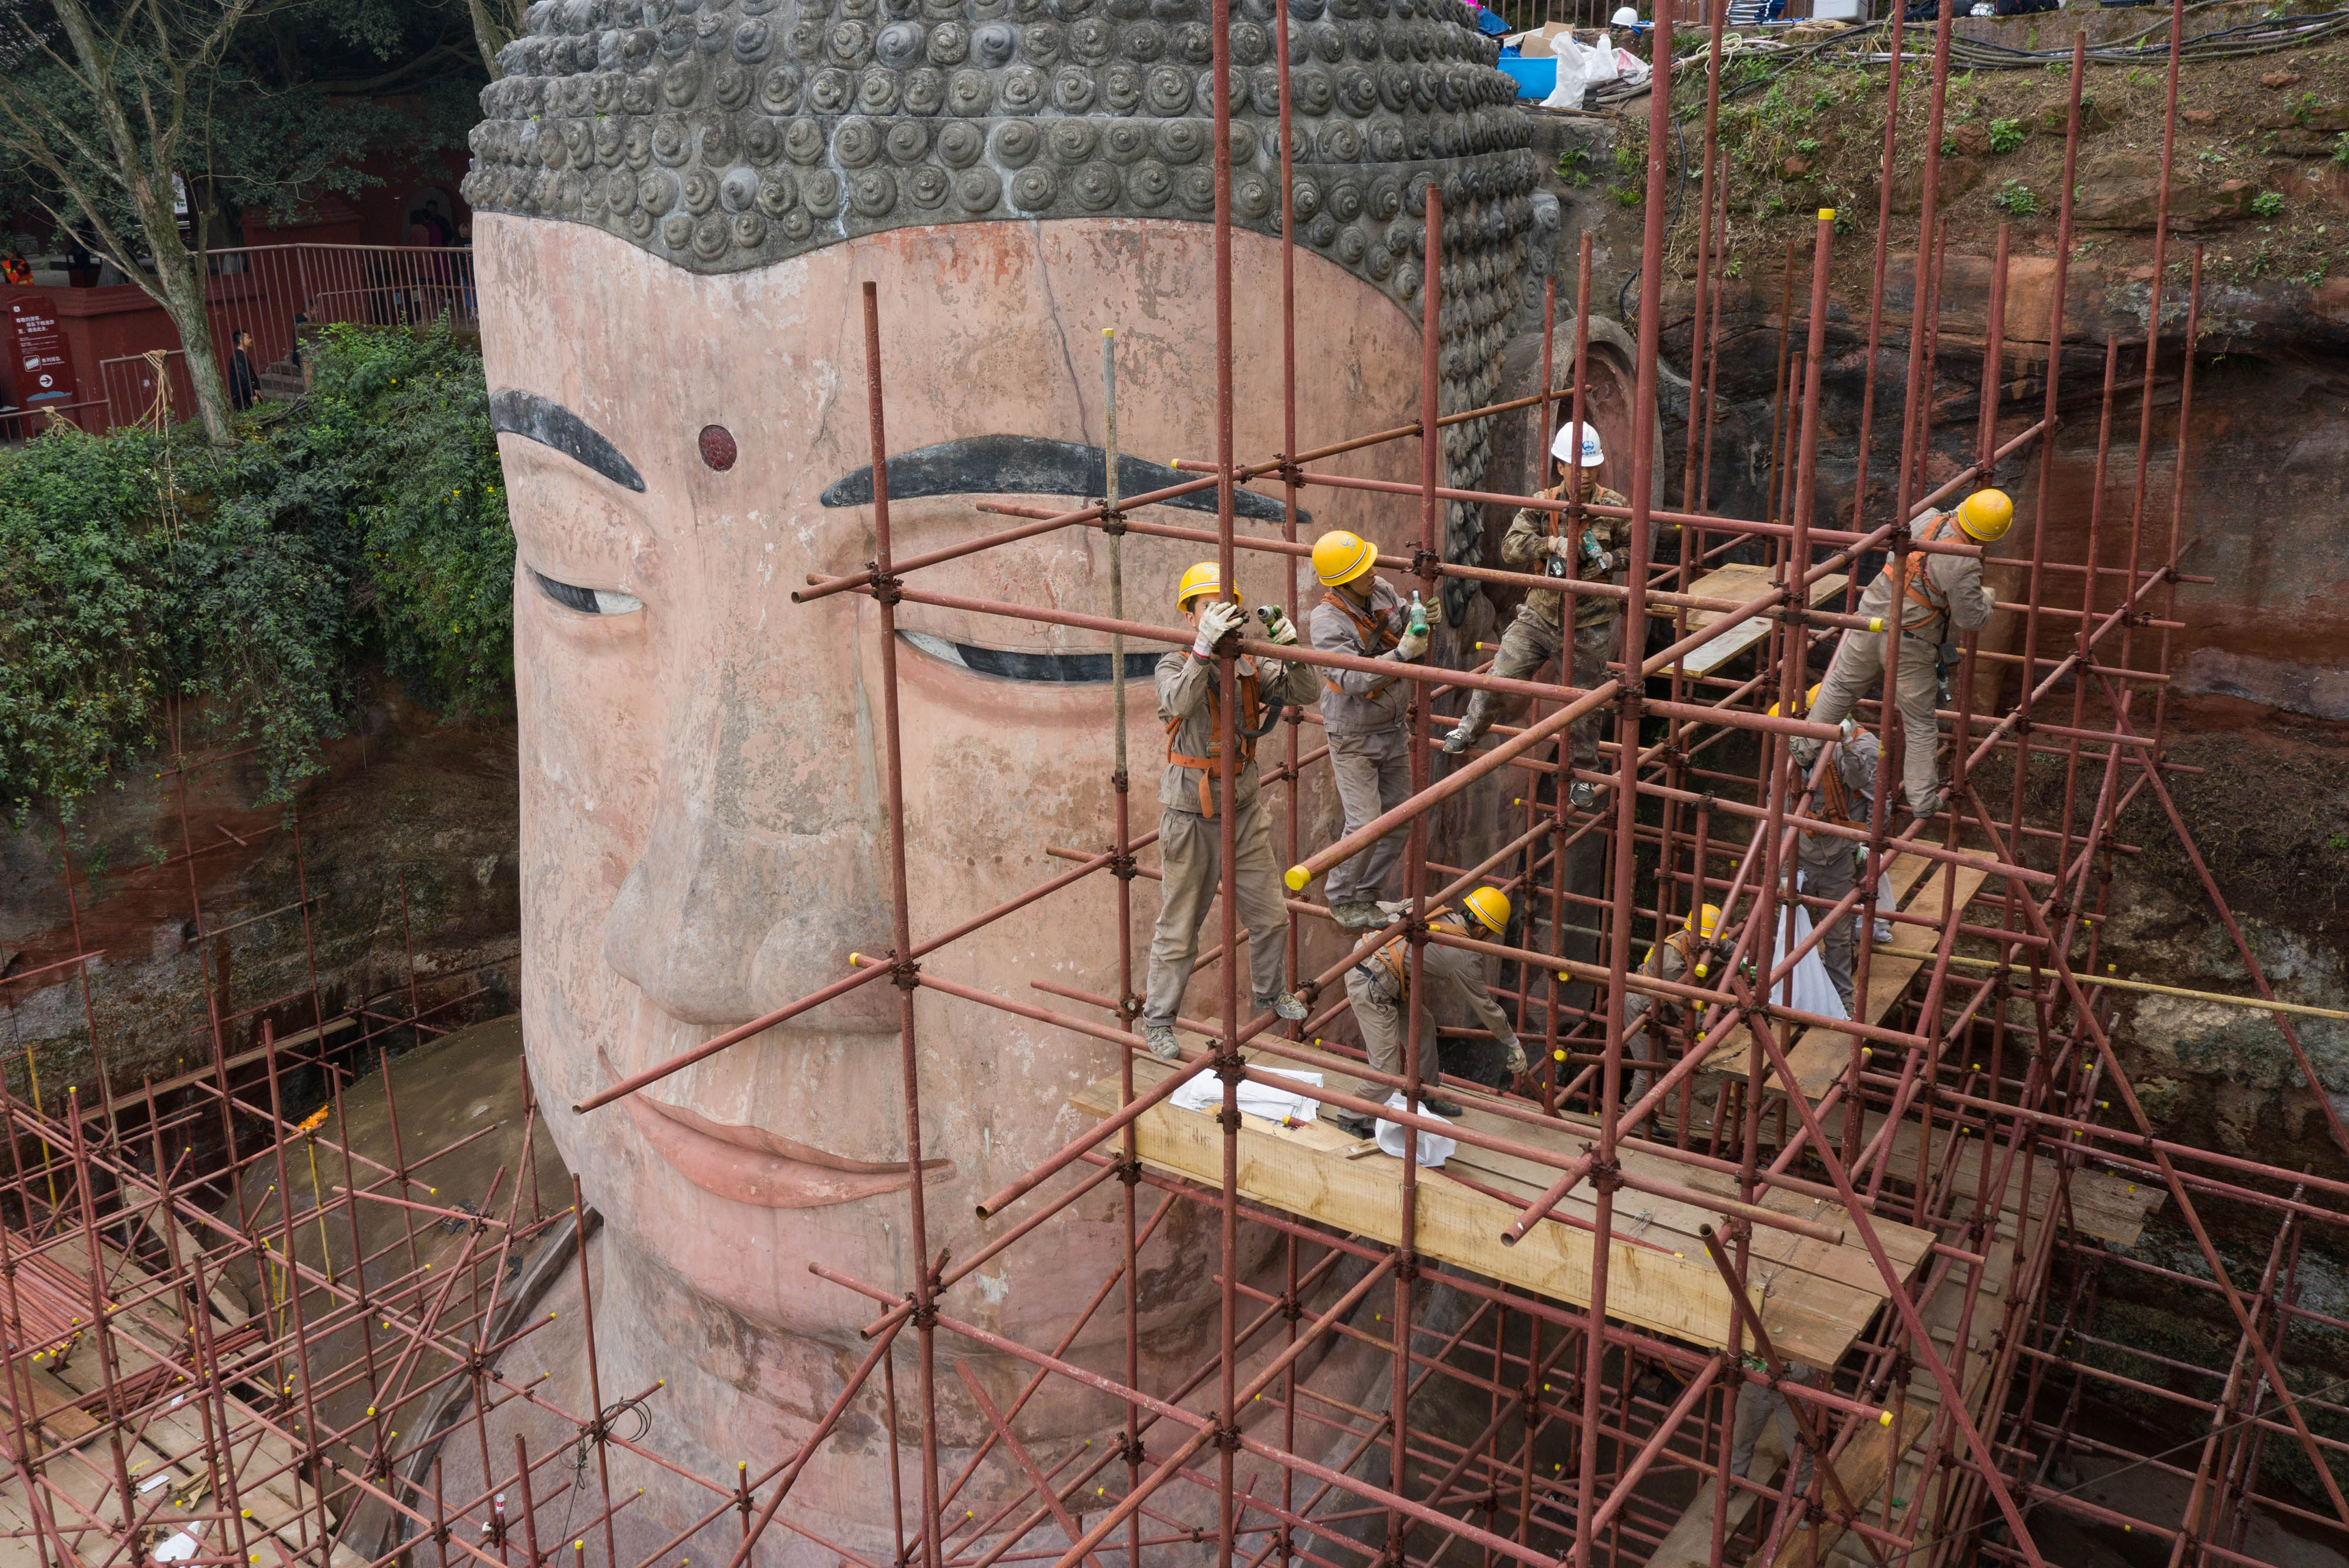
x=1625 y=16
x=1562 y=448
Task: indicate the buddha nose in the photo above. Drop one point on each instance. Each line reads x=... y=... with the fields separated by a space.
x=759 y=874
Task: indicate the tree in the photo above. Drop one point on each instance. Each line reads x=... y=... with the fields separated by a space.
x=496 y=24
x=106 y=105
x=118 y=115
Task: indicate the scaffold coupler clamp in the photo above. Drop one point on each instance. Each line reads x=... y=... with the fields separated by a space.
x=888 y=589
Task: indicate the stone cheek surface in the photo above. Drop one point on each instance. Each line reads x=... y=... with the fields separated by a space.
x=727 y=134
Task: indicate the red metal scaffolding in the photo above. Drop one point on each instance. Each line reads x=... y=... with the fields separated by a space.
x=1982 y=1107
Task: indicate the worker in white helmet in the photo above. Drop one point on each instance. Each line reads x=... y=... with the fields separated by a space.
x=1574 y=546
x=1941 y=596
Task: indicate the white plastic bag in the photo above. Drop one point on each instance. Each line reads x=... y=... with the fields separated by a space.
x=1434 y=1147
x=1568 y=93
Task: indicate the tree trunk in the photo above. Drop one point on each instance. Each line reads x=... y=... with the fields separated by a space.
x=182 y=295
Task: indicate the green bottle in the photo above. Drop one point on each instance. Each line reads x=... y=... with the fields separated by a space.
x=1418 y=623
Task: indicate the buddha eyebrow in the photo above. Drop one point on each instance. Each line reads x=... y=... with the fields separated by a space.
x=1032 y=465
x=548 y=423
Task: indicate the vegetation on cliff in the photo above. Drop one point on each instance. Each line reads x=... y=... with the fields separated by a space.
x=148 y=577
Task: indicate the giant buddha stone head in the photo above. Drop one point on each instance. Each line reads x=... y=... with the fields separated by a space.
x=678 y=203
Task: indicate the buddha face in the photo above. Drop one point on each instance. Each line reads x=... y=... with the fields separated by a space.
x=704 y=832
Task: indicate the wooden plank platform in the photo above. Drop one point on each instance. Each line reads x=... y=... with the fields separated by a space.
x=1814 y=1298
x=1739 y=584
x=164 y=1440
x=1820 y=1055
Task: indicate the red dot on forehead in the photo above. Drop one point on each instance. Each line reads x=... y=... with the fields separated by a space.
x=717 y=448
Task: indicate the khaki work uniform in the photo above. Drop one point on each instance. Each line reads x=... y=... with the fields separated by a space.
x=1668 y=959
x=1760 y=1406
x=1942 y=594
x=1538 y=634
x=1365 y=717
x=1830 y=865
x=1190 y=843
x=1377 y=985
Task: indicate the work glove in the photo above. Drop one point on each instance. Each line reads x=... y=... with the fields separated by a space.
x=1215 y=623
x=1516 y=1060
x=1278 y=627
x=1413 y=647
x=1989 y=598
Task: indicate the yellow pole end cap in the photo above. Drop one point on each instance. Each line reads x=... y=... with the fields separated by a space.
x=1827 y=214
x=1875 y=623
x=1702 y=970
x=1297 y=877
x=1108 y=331
x=1884 y=1417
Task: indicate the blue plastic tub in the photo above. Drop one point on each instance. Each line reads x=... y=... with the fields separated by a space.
x=1537 y=78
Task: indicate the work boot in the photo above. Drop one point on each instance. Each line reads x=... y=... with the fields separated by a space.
x=1356 y=914
x=1435 y=1108
x=1805 y=751
x=1354 y=1127
x=1160 y=1038
x=1883 y=933
x=1285 y=1005
x=1582 y=794
x=1456 y=739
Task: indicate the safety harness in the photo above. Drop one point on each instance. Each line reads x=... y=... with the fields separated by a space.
x=1916 y=588
x=1835 y=802
x=1391 y=960
x=1250 y=710
x=1377 y=637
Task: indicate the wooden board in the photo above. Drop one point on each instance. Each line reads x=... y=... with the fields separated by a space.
x=1820 y=1055
x=167 y=1439
x=1740 y=585
x=1814 y=1297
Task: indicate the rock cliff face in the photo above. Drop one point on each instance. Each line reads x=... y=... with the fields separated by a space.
x=209 y=922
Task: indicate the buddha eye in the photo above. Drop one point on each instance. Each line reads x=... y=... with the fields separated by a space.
x=1050 y=669
x=588 y=601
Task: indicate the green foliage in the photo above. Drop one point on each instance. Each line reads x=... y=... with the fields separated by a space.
x=2305 y=108
x=2006 y=135
x=1574 y=166
x=2267 y=204
x=396 y=429
x=2015 y=200
x=2341 y=149
x=366 y=524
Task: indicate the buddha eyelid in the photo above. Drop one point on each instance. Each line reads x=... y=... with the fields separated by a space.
x=1033 y=668
x=586 y=601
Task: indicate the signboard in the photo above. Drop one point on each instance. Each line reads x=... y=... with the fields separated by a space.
x=44 y=368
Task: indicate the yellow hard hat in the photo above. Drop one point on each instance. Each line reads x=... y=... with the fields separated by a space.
x=1986 y=515
x=1341 y=558
x=1201 y=578
x=1810 y=700
x=1491 y=908
x=1705 y=921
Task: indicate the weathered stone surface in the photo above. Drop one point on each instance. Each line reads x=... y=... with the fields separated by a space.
x=2122 y=191
x=406 y=802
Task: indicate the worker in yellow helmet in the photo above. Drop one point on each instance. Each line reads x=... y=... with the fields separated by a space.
x=1365 y=713
x=1673 y=959
x=1830 y=862
x=1937 y=597
x=1379 y=985
x=1190 y=705
x=1572 y=545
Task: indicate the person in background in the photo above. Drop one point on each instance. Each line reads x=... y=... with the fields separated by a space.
x=243 y=381
x=15 y=269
